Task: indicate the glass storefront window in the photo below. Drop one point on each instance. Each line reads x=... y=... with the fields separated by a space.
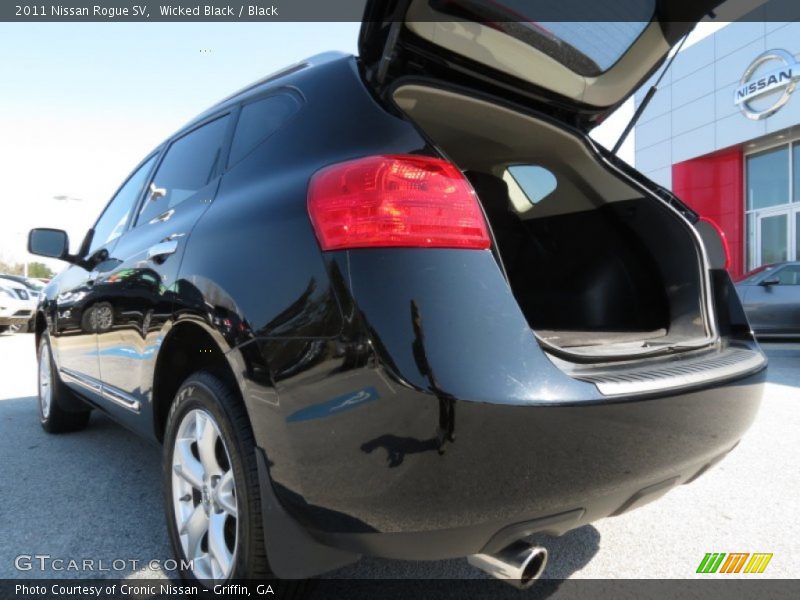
x=774 y=239
x=796 y=171
x=768 y=178
x=797 y=235
x=752 y=256
x=772 y=227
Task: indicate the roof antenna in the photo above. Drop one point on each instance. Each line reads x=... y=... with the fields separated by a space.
x=649 y=96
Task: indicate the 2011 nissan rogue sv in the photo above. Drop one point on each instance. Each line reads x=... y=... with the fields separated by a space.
x=402 y=305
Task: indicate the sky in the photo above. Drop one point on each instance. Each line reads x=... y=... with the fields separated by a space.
x=82 y=104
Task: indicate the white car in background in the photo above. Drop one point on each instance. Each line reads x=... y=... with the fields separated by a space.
x=17 y=306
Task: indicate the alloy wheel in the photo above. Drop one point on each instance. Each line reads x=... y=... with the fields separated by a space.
x=204 y=497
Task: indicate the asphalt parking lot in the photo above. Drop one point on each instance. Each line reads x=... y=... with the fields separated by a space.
x=97 y=494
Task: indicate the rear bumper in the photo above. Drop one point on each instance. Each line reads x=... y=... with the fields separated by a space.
x=435 y=426
x=490 y=538
x=374 y=480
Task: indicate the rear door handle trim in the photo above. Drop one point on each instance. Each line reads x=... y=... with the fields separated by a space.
x=162 y=249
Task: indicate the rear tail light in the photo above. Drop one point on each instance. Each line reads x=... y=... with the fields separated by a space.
x=395 y=201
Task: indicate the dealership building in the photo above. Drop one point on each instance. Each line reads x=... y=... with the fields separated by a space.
x=723 y=133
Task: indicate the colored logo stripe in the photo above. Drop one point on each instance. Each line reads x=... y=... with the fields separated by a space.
x=713 y=562
x=758 y=563
x=734 y=562
x=710 y=562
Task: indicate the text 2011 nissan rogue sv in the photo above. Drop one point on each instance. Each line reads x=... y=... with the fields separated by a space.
x=401 y=305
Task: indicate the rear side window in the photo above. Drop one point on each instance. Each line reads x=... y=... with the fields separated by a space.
x=259 y=120
x=188 y=166
x=115 y=217
x=528 y=185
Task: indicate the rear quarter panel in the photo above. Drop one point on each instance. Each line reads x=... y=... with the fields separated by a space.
x=253 y=269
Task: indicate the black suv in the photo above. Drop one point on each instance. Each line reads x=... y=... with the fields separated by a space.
x=402 y=305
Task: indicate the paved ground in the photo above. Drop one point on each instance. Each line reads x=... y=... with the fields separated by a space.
x=97 y=494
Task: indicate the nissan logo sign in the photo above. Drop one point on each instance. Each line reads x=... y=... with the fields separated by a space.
x=757 y=85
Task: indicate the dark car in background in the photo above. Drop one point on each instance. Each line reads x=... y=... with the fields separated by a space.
x=402 y=305
x=770 y=295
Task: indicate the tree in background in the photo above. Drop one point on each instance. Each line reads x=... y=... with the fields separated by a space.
x=41 y=270
x=35 y=269
x=11 y=268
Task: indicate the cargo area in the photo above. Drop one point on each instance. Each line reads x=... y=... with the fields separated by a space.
x=598 y=266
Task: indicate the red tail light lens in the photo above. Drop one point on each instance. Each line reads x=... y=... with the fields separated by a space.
x=395 y=201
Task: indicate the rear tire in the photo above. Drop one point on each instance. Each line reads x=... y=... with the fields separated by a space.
x=3 y=328
x=211 y=486
x=55 y=397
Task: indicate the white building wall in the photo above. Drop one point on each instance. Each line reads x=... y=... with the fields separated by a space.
x=693 y=111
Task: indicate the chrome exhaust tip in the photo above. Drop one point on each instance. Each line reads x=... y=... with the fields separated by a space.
x=519 y=564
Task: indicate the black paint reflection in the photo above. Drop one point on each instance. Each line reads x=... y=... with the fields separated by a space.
x=397 y=447
x=447 y=408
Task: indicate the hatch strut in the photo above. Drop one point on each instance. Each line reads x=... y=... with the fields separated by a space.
x=388 y=51
x=649 y=95
x=391 y=41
